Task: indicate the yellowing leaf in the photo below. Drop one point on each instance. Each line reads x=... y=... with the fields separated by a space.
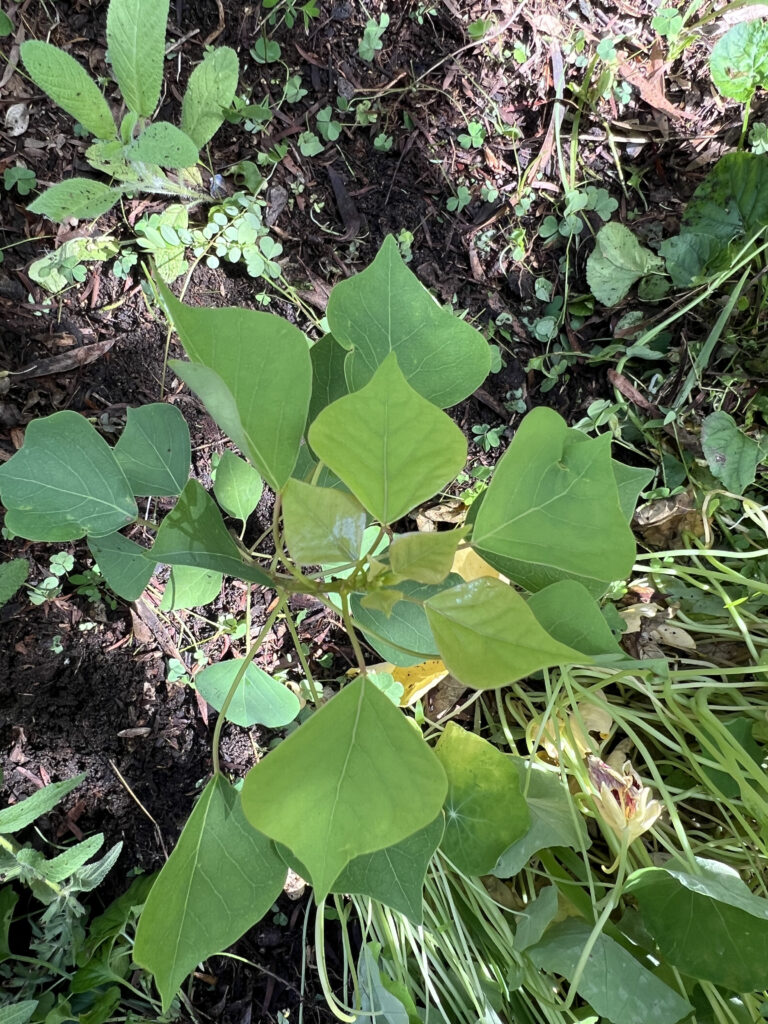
x=417 y=680
x=470 y=566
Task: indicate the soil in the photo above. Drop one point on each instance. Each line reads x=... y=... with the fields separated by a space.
x=84 y=686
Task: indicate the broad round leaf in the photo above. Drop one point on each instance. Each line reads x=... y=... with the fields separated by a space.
x=188 y=587
x=390 y=446
x=485 y=812
x=259 y=699
x=69 y=85
x=65 y=483
x=708 y=925
x=488 y=636
x=334 y=789
x=238 y=486
x=739 y=60
x=385 y=309
x=322 y=524
x=154 y=450
x=552 y=510
x=221 y=878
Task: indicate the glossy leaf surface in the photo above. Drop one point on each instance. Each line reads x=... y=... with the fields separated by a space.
x=484 y=811
x=385 y=309
x=194 y=534
x=221 y=878
x=552 y=510
x=322 y=524
x=333 y=790
x=488 y=636
x=390 y=446
x=65 y=483
x=154 y=450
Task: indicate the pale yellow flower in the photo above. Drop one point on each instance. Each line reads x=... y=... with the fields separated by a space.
x=622 y=801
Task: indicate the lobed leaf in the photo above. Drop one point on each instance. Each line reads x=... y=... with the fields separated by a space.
x=65 y=483
x=617 y=262
x=69 y=85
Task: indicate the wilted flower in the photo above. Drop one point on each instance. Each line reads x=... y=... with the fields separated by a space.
x=624 y=803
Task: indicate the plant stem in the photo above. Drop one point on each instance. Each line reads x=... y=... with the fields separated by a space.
x=252 y=652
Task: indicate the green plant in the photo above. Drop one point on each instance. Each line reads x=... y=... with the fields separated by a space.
x=139 y=153
x=383 y=142
x=13 y=575
x=21 y=177
x=351 y=435
x=486 y=436
x=371 y=41
x=462 y=199
x=474 y=137
x=70 y=968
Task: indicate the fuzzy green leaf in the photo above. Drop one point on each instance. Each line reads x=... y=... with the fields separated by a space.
x=739 y=60
x=80 y=198
x=163 y=144
x=617 y=261
x=136 y=41
x=210 y=91
x=69 y=85
x=18 y=816
x=12 y=575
